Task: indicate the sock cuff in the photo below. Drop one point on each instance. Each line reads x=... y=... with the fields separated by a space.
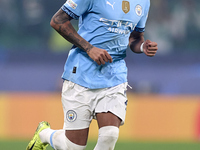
x=51 y=139
x=109 y=131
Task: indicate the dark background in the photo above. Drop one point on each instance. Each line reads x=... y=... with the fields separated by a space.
x=32 y=54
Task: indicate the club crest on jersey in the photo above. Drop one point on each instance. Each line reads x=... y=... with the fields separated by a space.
x=71 y=3
x=138 y=10
x=71 y=116
x=125 y=6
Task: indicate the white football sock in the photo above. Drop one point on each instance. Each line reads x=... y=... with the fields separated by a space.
x=45 y=135
x=108 y=136
x=58 y=140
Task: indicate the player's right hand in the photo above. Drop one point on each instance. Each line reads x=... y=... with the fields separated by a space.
x=100 y=56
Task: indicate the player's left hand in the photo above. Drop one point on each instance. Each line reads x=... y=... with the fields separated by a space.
x=150 y=48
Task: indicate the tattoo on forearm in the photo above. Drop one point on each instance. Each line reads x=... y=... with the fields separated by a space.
x=71 y=37
x=64 y=28
x=61 y=17
x=89 y=48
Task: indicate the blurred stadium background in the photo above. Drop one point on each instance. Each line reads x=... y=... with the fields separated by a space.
x=164 y=104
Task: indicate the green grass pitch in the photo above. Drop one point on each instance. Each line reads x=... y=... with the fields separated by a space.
x=21 y=145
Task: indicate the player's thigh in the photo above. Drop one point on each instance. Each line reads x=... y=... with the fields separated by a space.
x=111 y=108
x=77 y=112
x=107 y=119
x=76 y=107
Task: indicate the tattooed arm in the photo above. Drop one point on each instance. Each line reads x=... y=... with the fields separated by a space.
x=61 y=23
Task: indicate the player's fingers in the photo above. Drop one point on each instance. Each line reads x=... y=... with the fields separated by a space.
x=152 y=49
x=148 y=41
x=151 y=54
x=152 y=44
x=101 y=60
x=98 y=62
x=104 y=58
x=109 y=57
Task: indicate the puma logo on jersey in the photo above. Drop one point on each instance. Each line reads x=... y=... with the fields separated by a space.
x=112 y=5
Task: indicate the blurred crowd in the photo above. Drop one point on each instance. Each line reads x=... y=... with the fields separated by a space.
x=25 y=23
x=175 y=25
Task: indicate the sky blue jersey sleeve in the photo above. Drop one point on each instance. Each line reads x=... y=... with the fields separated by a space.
x=141 y=24
x=75 y=8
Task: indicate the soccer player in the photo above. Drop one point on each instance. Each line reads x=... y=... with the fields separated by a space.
x=95 y=73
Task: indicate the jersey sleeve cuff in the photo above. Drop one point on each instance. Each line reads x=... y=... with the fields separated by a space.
x=139 y=29
x=69 y=12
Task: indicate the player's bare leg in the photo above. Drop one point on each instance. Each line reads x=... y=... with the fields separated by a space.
x=78 y=137
x=108 y=119
x=108 y=131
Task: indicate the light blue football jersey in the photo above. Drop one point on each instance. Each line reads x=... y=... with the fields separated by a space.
x=106 y=24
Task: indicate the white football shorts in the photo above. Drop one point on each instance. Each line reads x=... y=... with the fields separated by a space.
x=80 y=104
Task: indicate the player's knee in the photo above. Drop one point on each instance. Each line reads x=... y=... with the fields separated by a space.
x=108 y=136
x=109 y=132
